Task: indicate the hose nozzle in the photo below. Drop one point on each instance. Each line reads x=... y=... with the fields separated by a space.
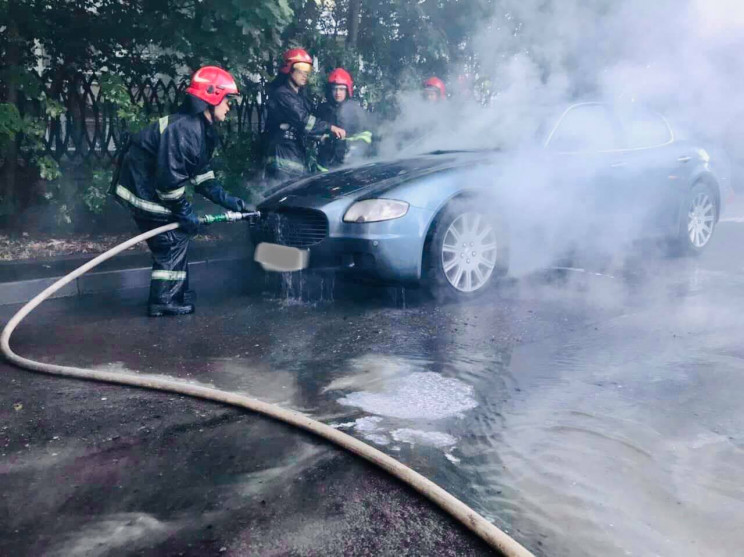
x=229 y=216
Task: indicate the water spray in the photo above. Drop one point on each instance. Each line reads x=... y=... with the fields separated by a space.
x=491 y=534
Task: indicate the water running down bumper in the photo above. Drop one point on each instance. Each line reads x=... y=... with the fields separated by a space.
x=277 y=258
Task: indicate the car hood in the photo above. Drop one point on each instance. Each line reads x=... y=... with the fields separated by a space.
x=369 y=179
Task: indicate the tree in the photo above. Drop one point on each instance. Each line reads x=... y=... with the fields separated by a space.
x=46 y=42
x=388 y=45
x=354 y=11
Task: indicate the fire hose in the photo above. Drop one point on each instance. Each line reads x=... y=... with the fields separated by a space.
x=492 y=535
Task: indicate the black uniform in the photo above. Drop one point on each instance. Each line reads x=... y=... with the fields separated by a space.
x=289 y=123
x=351 y=117
x=158 y=163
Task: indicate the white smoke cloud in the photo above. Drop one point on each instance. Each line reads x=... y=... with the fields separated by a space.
x=681 y=58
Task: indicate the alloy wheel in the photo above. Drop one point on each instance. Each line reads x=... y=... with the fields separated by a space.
x=469 y=252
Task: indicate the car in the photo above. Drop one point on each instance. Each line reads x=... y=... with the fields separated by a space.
x=454 y=221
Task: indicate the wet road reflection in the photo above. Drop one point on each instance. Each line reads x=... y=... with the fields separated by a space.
x=590 y=410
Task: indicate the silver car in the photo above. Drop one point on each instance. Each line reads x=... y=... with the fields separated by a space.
x=454 y=221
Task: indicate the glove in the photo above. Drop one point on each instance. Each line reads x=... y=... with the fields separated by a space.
x=185 y=215
x=214 y=191
x=189 y=223
x=236 y=204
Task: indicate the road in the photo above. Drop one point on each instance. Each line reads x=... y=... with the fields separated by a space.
x=589 y=411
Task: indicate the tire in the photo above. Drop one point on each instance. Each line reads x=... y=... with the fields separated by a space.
x=697 y=221
x=468 y=251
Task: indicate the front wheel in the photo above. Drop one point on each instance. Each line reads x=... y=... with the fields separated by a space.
x=468 y=252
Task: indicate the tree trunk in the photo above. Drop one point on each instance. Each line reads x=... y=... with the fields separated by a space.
x=8 y=182
x=352 y=23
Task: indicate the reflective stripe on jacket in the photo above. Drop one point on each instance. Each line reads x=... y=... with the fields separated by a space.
x=161 y=160
x=351 y=117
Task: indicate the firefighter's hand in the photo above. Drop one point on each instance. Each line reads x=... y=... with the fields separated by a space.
x=245 y=207
x=340 y=133
x=189 y=223
x=236 y=204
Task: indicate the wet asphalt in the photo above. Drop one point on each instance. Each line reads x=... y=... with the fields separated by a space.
x=587 y=411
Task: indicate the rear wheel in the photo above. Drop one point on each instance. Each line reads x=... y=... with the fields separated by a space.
x=467 y=253
x=698 y=221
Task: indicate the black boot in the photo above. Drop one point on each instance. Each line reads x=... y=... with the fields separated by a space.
x=189 y=297
x=159 y=310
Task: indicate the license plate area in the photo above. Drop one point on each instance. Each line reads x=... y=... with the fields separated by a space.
x=281 y=259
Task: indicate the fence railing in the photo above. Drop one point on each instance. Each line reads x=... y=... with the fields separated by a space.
x=89 y=127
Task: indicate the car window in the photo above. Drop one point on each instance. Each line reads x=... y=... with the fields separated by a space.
x=585 y=128
x=644 y=128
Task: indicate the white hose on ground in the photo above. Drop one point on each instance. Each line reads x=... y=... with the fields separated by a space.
x=492 y=535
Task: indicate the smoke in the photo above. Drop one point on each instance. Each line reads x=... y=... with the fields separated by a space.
x=680 y=58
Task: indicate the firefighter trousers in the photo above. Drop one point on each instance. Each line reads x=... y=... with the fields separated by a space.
x=170 y=277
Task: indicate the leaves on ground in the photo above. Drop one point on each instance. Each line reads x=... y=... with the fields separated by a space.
x=41 y=247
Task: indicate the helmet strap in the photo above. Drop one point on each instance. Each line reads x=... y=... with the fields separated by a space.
x=292 y=82
x=211 y=113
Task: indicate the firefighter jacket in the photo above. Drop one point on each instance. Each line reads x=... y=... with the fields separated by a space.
x=161 y=160
x=289 y=123
x=351 y=117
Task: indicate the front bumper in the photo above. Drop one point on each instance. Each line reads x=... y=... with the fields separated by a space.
x=389 y=251
x=386 y=259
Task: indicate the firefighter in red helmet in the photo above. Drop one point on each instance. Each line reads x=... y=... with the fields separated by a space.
x=434 y=89
x=155 y=167
x=290 y=120
x=341 y=110
x=464 y=88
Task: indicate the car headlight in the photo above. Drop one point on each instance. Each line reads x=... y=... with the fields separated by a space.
x=375 y=210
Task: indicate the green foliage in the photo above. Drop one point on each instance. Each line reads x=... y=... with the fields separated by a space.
x=95 y=194
x=58 y=195
x=11 y=124
x=48 y=167
x=399 y=43
x=115 y=91
x=396 y=45
x=30 y=131
x=237 y=165
x=32 y=140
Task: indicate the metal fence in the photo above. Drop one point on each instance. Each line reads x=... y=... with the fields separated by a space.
x=90 y=129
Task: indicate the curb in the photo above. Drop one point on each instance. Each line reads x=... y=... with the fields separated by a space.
x=219 y=272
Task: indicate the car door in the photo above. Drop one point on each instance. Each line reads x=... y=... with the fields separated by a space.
x=584 y=147
x=657 y=169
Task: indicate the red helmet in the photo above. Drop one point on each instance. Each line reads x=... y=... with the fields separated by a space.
x=295 y=56
x=212 y=84
x=436 y=83
x=340 y=76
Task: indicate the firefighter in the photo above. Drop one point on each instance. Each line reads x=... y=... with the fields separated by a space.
x=151 y=181
x=464 y=88
x=434 y=90
x=290 y=121
x=340 y=110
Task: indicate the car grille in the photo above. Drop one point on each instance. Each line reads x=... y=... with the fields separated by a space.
x=299 y=228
